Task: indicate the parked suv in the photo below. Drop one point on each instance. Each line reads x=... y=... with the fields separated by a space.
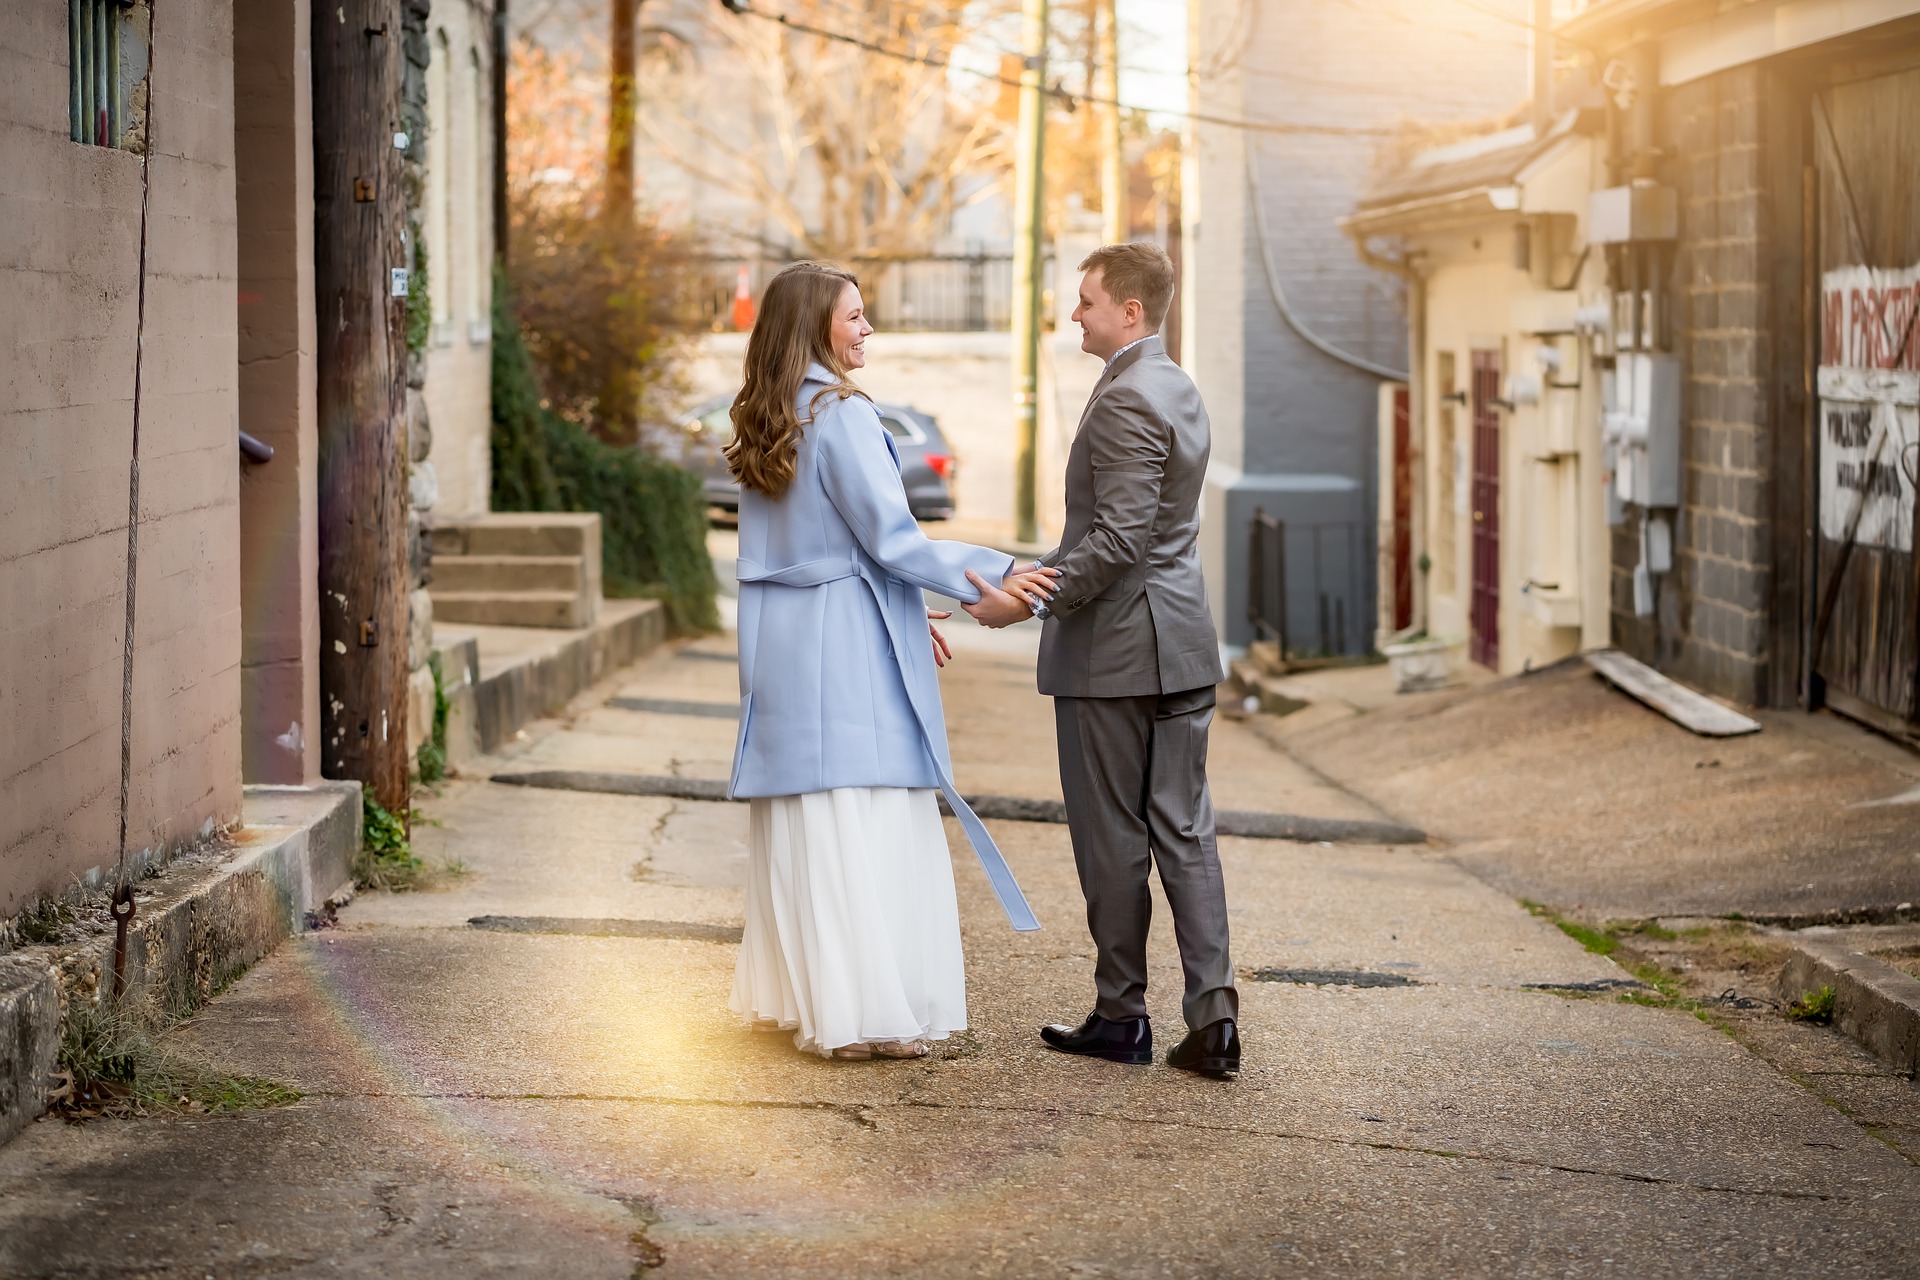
x=927 y=464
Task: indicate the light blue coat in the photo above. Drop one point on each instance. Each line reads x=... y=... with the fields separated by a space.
x=837 y=682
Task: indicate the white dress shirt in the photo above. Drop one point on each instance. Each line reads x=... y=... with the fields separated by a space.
x=1122 y=351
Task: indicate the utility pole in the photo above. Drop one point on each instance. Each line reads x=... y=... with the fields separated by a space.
x=502 y=222
x=617 y=416
x=1115 y=225
x=360 y=285
x=1029 y=226
x=623 y=103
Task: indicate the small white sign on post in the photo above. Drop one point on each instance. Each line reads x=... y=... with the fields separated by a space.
x=399 y=282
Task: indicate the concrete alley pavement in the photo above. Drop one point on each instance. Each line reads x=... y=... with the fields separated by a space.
x=539 y=1098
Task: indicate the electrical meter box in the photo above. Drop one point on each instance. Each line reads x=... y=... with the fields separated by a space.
x=1641 y=419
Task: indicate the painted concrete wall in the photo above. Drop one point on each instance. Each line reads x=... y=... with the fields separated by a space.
x=1553 y=550
x=1294 y=431
x=69 y=269
x=279 y=535
x=457 y=227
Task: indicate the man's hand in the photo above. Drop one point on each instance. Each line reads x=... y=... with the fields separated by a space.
x=942 y=651
x=1012 y=600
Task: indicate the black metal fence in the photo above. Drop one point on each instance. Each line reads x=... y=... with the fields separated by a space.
x=948 y=293
x=1307 y=586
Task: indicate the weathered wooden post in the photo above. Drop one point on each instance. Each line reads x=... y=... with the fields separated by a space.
x=1029 y=233
x=1115 y=224
x=360 y=284
x=623 y=110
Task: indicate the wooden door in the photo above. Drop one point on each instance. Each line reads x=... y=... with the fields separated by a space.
x=1484 y=609
x=1402 y=511
x=1866 y=633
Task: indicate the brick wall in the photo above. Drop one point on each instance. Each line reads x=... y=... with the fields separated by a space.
x=1711 y=621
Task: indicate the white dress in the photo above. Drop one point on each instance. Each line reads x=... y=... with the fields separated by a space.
x=853 y=929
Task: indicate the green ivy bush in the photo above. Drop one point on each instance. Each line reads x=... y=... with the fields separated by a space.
x=653 y=514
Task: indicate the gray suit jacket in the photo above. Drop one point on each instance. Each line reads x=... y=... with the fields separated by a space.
x=1131 y=615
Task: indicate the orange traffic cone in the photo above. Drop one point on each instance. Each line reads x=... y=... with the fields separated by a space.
x=743 y=304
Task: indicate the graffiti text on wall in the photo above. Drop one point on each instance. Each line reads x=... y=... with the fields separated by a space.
x=1869 y=405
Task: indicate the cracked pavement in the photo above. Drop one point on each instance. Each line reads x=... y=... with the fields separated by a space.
x=483 y=1103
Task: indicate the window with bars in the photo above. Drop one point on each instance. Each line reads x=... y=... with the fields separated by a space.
x=107 y=67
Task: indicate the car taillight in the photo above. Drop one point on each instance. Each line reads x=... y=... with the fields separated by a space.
x=942 y=464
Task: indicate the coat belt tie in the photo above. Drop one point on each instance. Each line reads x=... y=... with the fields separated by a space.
x=818 y=573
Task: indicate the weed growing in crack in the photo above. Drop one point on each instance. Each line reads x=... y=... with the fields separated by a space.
x=1600 y=943
x=386 y=859
x=109 y=1065
x=431 y=760
x=1667 y=960
x=1813 y=1006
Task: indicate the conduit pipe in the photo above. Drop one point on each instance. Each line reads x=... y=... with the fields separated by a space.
x=1293 y=321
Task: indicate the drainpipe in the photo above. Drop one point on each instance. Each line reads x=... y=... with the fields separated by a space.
x=1410 y=269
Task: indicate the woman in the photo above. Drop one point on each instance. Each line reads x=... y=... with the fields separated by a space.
x=853 y=933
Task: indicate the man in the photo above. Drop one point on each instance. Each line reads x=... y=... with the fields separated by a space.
x=1130 y=658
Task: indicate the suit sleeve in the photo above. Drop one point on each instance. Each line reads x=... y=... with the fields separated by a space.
x=1130 y=444
x=862 y=480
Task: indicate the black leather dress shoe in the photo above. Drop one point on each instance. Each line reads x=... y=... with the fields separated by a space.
x=1213 y=1050
x=1129 y=1041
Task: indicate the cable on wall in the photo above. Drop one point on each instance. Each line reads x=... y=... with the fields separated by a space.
x=122 y=886
x=1294 y=322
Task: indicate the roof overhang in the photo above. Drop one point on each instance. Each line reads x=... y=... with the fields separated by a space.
x=1607 y=25
x=1698 y=38
x=1433 y=213
x=1442 y=210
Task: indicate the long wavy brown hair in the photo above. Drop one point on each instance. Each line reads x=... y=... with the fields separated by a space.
x=794 y=329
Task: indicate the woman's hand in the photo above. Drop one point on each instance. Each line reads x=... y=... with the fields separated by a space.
x=1028 y=583
x=942 y=651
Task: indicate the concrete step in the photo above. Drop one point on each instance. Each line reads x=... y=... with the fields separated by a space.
x=199 y=923
x=508 y=573
x=564 y=609
x=498 y=680
x=520 y=533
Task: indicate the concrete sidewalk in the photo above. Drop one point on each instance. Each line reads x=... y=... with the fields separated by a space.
x=1556 y=787
x=555 y=1103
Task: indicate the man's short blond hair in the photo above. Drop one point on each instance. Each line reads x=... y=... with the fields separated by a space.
x=1141 y=271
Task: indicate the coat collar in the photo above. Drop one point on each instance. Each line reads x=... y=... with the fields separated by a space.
x=1120 y=364
x=817 y=372
x=1149 y=345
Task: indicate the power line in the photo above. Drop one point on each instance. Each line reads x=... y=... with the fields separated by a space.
x=946 y=64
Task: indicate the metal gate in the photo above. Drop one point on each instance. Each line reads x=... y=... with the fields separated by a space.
x=1484 y=616
x=1866 y=626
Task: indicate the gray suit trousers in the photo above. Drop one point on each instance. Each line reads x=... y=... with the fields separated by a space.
x=1134 y=773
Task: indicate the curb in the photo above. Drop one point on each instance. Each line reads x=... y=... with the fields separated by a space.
x=485 y=712
x=197 y=926
x=1227 y=822
x=29 y=1040
x=1873 y=1002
